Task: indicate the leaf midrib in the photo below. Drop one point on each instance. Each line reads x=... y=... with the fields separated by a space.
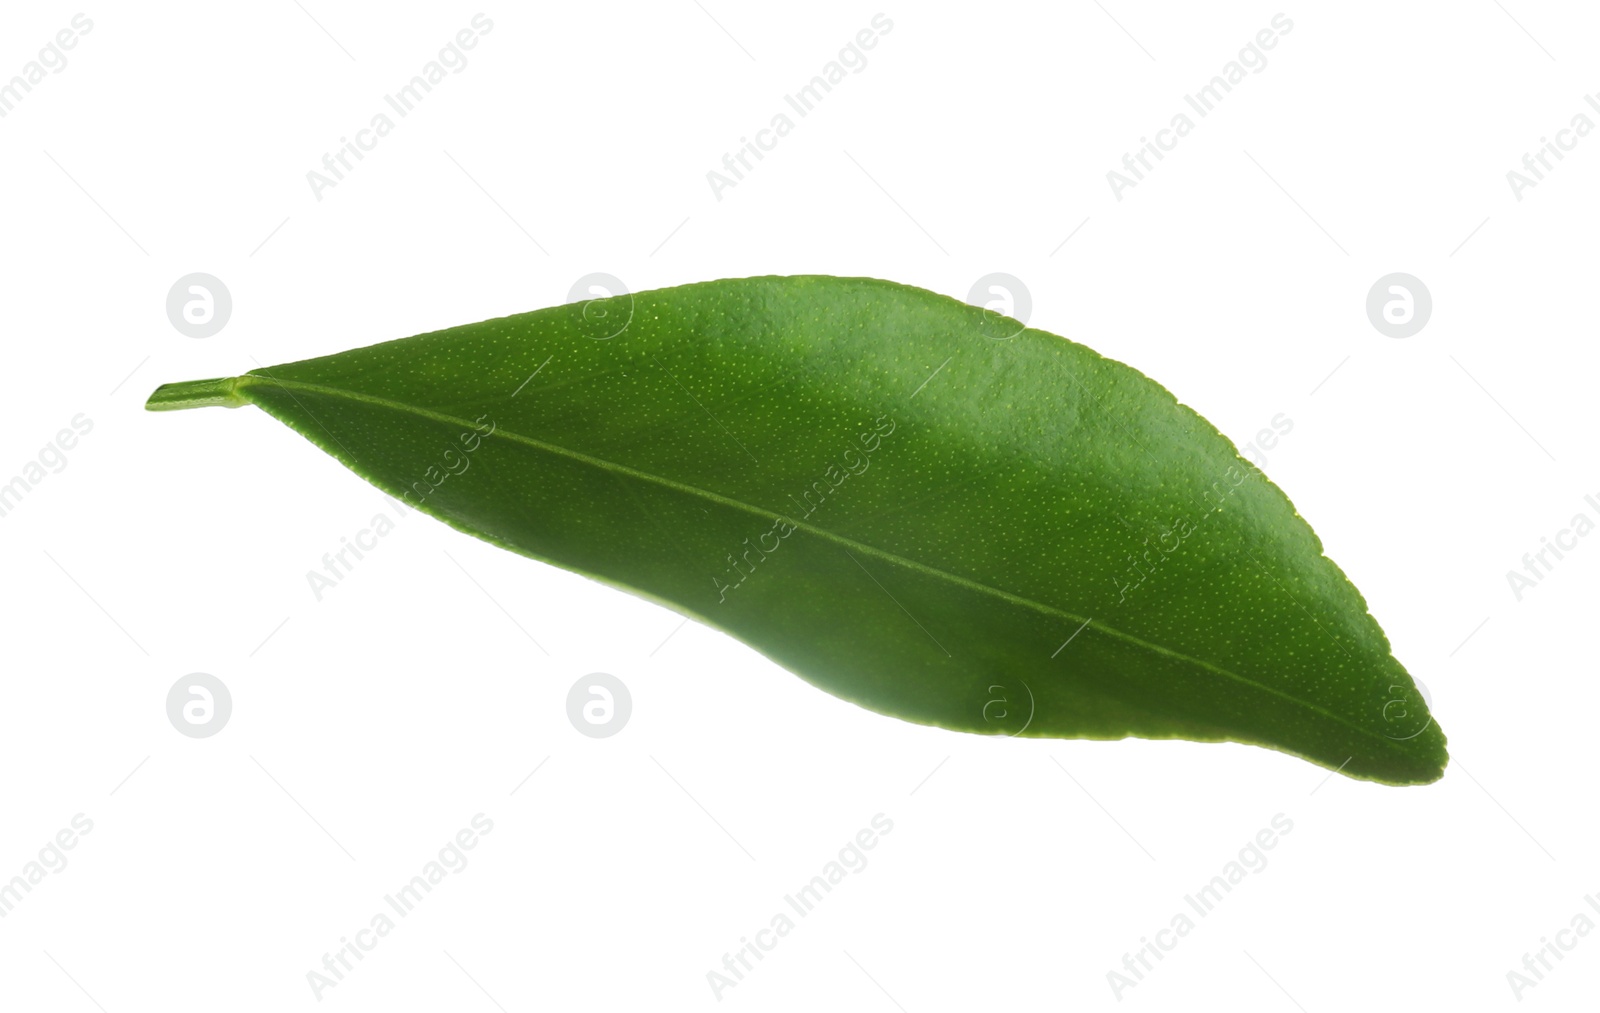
x=245 y=381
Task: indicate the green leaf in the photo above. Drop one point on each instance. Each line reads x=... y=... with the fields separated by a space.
x=915 y=504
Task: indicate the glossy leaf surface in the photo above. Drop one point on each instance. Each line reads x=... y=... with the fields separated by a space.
x=915 y=504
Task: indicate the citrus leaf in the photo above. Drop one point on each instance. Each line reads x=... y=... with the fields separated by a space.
x=915 y=504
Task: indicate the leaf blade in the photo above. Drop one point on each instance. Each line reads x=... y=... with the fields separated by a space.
x=1003 y=482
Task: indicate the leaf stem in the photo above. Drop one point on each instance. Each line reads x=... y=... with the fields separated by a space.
x=196 y=394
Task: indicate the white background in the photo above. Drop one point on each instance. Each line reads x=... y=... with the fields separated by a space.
x=369 y=727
